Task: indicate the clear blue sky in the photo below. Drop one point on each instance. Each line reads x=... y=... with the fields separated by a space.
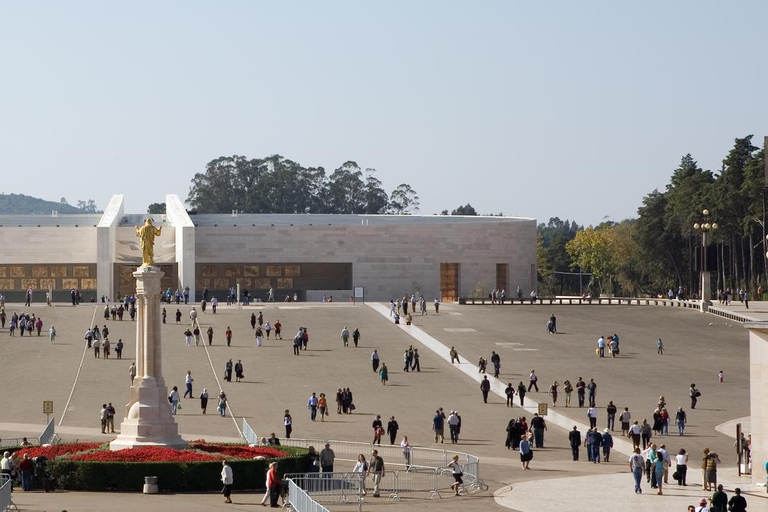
x=540 y=109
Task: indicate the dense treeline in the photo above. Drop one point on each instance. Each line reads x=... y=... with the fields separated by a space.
x=277 y=185
x=656 y=251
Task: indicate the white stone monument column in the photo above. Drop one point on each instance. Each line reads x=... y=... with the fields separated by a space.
x=758 y=404
x=148 y=420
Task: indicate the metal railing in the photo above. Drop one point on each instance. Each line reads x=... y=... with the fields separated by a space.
x=49 y=434
x=349 y=487
x=608 y=301
x=249 y=434
x=300 y=501
x=6 y=503
x=425 y=471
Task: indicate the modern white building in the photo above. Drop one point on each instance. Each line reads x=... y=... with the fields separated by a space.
x=387 y=255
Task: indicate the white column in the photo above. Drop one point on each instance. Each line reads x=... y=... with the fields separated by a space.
x=758 y=383
x=148 y=420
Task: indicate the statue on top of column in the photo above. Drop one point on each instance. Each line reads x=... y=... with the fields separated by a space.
x=147 y=234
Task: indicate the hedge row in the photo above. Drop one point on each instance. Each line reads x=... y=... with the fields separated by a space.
x=172 y=476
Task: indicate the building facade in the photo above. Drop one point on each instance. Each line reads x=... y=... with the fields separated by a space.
x=389 y=256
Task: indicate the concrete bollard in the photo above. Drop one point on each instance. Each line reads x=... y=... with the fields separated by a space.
x=150 y=485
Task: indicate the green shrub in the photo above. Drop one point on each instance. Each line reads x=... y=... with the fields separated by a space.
x=172 y=476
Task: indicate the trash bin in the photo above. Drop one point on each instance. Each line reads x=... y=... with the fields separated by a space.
x=150 y=485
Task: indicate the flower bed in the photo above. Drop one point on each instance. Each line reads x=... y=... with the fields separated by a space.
x=93 y=467
x=56 y=450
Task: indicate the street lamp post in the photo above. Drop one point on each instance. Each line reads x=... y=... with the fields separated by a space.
x=705 y=290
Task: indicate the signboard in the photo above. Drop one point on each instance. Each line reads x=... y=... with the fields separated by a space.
x=542 y=409
x=47 y=406
x=359 y=292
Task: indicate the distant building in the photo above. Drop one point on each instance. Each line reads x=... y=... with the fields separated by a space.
x=310 y=255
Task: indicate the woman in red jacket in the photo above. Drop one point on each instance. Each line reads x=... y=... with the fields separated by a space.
x=274 y=485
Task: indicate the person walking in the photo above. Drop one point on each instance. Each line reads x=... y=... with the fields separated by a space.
x=204 y=400
x=553 y=392
x=635 y=432
x=681 y=461
x=454 y=356
x=592 y=389
x=625 y=417
x=538 y=426
x=636 y=466
x=611 y=412
x=533 y=381
x=227 y=478
x=132 y=371
x=392 y=428
x=377 y=472
x=327 y=457
x=574 y=439
x=580 y=391
x=222 y=407
x=288 y=423
x=228 y=371
x=274 y=485
x=188 y=382
x=438 y=426
x=521 y=393
x=356 y=336
x=345 y=336
x=52 y=335
x=383 y=374
x=694 y=394
x=568 y=388
x=680 y=421
x=378 y=429
x=592 y=415
x=312 y=402
x=719 y=500
x=509 y=391
x=457 y=473
x=526 y=453
x=607 y=444
x=405 y=446
x=737 y=503
x=659 y=347
x=173 y=397
x=375 y=360
x=485 y=388
x=496 y=360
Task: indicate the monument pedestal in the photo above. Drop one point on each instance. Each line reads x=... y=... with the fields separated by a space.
x=148 y=420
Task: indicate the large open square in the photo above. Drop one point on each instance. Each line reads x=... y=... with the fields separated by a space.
x=697 y=347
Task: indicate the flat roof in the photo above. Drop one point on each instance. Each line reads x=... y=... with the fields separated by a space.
x=48 y=221
x=309 y=219
x=137 y=219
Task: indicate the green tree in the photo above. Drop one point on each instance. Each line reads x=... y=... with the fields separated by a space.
x=464 y=210
x=156 y=209
x=88 y=206
x=403 y=200
x=376 y=200
x=593 y=251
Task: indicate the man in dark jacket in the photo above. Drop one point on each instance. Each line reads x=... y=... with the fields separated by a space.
x=574 y=437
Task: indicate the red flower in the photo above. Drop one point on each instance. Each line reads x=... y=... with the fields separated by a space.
x=57 y=450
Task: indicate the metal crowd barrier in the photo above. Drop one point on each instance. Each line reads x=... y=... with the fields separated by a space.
x=248 y=434
x=421 y=458
x=6 y=503
x=354 y=487
x=49 y=434
x=300 y=501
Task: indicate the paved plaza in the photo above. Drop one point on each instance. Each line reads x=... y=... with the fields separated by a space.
x=697 y=347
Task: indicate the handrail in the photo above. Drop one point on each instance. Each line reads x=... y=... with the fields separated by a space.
x=300 y=501
x=49 y=434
